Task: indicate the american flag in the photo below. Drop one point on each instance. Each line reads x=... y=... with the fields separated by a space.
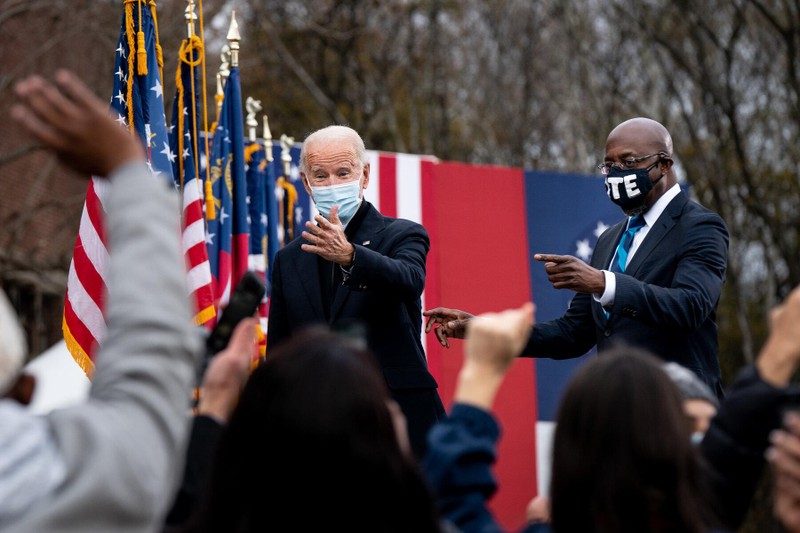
x=227 y=238
x=184 y=139
x=256 y=173
x=138 y=104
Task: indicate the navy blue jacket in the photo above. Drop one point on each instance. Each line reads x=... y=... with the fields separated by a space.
x=665 y=301
x=382 y=292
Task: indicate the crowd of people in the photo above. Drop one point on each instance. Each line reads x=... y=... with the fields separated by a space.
x=341 y=427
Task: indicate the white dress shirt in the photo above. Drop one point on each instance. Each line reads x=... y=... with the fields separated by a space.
x=650 y=217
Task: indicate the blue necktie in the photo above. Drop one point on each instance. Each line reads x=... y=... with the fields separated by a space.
x=634 y=224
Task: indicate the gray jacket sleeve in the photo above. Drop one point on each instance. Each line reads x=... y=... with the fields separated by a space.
x=124 y=447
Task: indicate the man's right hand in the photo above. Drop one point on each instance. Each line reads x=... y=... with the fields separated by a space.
x=69 y=119
x=447 y=323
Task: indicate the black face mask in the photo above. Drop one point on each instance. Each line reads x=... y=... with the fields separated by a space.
x=629 y=188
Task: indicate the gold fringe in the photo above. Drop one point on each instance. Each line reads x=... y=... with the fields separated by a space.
x=211 y=212
x=131 y=47
x=77 y=352
x=205 y=315
x=249 y=151
x=141 y=51
x=291 y=195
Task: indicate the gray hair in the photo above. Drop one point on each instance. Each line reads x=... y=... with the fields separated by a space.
x=12 y=345
x=334 y=133
x=690 y=386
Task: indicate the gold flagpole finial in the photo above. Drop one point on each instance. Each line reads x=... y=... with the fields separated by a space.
x=233 y=40
x=190 y=17
x=253 y=106
x=267 y=140
x=286 y=154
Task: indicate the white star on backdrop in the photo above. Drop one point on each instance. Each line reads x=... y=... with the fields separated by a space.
x=601 y=227
x=157 y=89
x=583 y=250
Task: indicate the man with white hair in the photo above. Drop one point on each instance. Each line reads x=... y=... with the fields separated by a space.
x=112 y=462
x=357 y=270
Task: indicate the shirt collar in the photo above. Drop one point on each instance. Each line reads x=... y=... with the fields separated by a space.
x=652 y=214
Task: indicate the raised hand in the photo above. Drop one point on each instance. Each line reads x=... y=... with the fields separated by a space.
x=69 y=119
x=447 y=323
x=228 y=372
x=568 y=272
x=784 y=456
x=493 y=342
x=780 y=356
x=328 y=240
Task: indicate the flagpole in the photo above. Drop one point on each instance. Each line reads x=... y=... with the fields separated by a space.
x=253 y=106
x=267 y=136
x=190 y=17
x=233 y=40
x=222 y=76
x=286 y=154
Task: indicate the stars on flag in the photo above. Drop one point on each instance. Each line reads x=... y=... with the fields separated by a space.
x=169 y=153
x=157 y=89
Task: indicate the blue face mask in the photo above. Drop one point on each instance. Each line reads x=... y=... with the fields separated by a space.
x=346 y=195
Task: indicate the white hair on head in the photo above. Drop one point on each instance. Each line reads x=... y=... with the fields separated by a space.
x=334 y=133
x=12 y=345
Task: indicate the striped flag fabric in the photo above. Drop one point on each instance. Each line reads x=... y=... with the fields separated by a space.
x=256 y=177
x=138 y=103
x=184 y=143
x=227 y=237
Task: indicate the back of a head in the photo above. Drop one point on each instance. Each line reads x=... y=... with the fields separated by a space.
x=12 y=345
x=622 y=457
x=689 y=385
x=312 y=444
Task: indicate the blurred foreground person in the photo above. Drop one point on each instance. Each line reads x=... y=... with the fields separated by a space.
x=110 y=463
x=316 y=443
x=623 y=457
x=700 y=405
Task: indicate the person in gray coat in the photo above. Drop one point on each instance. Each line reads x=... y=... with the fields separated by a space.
x=112 y=462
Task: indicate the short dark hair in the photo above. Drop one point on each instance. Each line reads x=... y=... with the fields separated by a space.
x=622 y=457
x=311 y=446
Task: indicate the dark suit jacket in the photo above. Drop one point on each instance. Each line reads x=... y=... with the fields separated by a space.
x=383 y=293
x=665 y=301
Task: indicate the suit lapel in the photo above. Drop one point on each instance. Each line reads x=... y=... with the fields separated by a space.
x=368 y=234
x=660 y=229
x=307 y=267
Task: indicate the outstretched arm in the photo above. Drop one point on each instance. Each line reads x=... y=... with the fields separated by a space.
x=462 y=447
x=447 y=323
x=123 y=448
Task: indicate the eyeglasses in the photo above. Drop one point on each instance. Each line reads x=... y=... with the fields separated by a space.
x=626 y=164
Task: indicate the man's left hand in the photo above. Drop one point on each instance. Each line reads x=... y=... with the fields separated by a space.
x=328 y=240
x=568 y=272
